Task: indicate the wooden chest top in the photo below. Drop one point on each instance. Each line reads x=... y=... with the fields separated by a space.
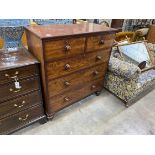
x=14 y=58
x=54 y=31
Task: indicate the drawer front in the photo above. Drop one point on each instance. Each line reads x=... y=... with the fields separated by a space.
x=64 y=67
x=8 y=91
x=14 y=122
x=22 y=72
x=21 y=103
x=63 y=48
x=61 y=101
x=99 y=42
x=69 y=82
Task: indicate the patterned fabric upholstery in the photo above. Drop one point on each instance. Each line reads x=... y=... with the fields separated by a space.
x=53 y=21
x=12 y=36
x=126 y=81
x=11 y=31
x=123 y=69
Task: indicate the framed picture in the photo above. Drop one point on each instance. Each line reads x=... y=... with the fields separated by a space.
x=137 y=53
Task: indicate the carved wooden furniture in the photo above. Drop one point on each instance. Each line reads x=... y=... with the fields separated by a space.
x=20 y=91
x=74 y=59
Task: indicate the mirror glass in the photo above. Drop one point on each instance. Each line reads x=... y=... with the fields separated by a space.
x=135 y=53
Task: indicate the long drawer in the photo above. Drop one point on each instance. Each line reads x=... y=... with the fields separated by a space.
x=18 y=104
x=104 y=41
x=65 y=99
x=8 y=91
x=56 y=69
x=69 y=82
x=20 y=119
x=21 y=72
x=63 y=48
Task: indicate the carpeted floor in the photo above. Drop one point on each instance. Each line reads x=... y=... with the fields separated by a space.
x=104 y=114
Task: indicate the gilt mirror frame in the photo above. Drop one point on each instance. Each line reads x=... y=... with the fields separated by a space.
x=150 y=53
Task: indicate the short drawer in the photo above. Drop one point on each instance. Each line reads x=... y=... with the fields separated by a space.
x=56 y=69
x=99 y=42
x=22 y=72
x=63 y=48
x=8 y=91
x=21 y=103
x=21 y=119
x=69 y=82
x=61 y=101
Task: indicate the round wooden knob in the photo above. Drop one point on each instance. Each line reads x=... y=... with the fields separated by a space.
x=67 y=67
x=93 y=86
x=101 y=42
x=67 y=83
x=96 y=72
x=67 y=47
x=66 y=99
x=98 y=57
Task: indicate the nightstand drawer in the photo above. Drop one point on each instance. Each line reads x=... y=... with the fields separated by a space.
x=69 y=82
x=19 y=120
x=99 y=42
x=8 y=91
x=63 y=48
x=18 y=104
x=21 y=72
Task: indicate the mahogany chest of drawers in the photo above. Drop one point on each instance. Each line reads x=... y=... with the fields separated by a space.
x=74 y=59
x=20 y=91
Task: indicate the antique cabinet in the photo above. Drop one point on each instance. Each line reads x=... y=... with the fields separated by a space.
x=74 y=59
x=20 y=92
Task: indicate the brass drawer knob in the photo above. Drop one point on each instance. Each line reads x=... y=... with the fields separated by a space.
x=15 y=91
x=101 y=42
x=66 y=99
x=67 y=67
x=15 y=75
x=93 y=86
x=67 y=83
x=67 y=48
x=98 y=57
x=19 y=106
x=6 y=75
x=23 y=119
x=96 y=72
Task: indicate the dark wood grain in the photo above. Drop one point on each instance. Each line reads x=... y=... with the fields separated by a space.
x=15 y=101
x=59 y=31
x=99 y=42
x=8 y=91
x=58 y=68
x=70 y=82
x=18 y=73
x=65 y=99
x=21 y=55
x=71 y=57
x=18 y=104
x=20 y=119
x=63 y=48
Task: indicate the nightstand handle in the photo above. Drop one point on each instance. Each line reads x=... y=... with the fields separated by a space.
x=19 y=106
x=15 y=75
x=23 y=119
x=15 y=91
